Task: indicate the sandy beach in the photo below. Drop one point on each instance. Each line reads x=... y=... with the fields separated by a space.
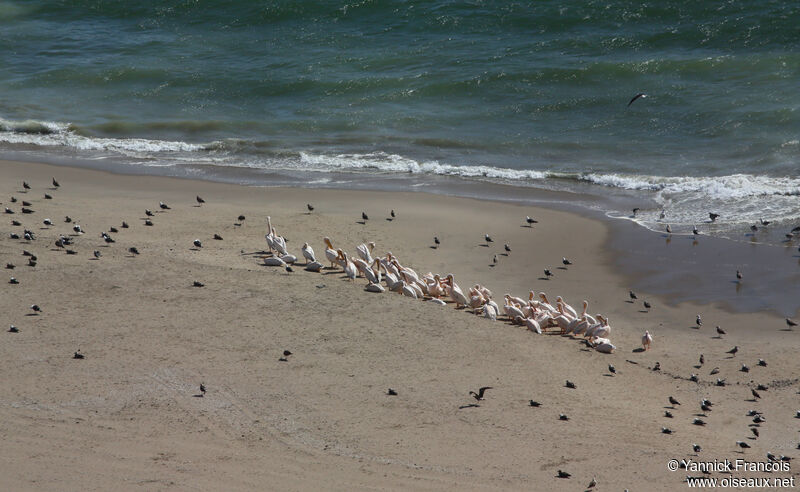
x=127 y=416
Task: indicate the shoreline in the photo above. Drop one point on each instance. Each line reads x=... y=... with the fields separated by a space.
x=322 y=419
x=634 y=248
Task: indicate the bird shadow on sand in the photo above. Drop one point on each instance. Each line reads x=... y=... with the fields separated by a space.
x=362 y=222
x=433 y=247
x=543 y=278
x=199 y=395
x=786 y=329
x=608 y=375
x=645 y=311
x=484 y=245
x=389 y=219
x=637 y=350
x=32 y=314
x=503 y=254
x=562 y=268
x=630 y=302
x=469 y=405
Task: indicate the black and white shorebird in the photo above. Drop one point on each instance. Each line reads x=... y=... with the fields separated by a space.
x=570 y=384
x=78 y=355
x=669 y=229
x=10 y=266
x=67 y=219
x=392 y=214
x=754 y=228
x=563 y=474
x=612 y=369
x=667 y=414
x=647 y=305
x=77 y=228
x=197 y=243
x=148 y=212
x=199 y=200
x=697 y=421
x=632 y=295
x=148 y=222
x=97 y=254
x=13 y=281
x=507 y=248
x=635 y=211
x=565 y=261
x=202 y=389
x=738 y=275
x=240 y=218
x=310 y=207
x=755 y=394
x=720 y=331
x=696 y=448
x=48 y=197
x=733 y=351
x=698 y=321
x=13 y=329
x=666 y=430
x=563 y=416
x=288 y=269
x=534 y=403
x=762 y=363
x=713 y=216
x=47 y=222
x=113 y=229
x=791 y=323
x=436 y=241
x=55 y=183
x=163 y=206
x=36 y=308
x=133 y=250
x=693 y=378
x=530 y=221
x=364 y=216
x=640 y=95
x=124 y=225
x=217 y=237
x=494 y=260
x=548 y=273
x=695 y=231
x=197 y=283
x=487 y=239
x=25 y=185
x=479 y=395
x=702 y=359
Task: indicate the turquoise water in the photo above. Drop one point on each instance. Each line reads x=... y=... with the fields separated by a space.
x=523 y=93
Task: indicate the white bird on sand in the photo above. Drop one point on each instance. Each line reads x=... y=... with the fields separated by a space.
x=314 y=266
x=603 y=330
x=437 y=301
x=569 y=309
x=365 y=251
x=605 y=347
x=349 y=266
x=308 y=253
x=455 y=292
x=331 y=254
x=647 y=339
x=371 y=287
x=489 y=312
x=274 y=261
x=408 y=291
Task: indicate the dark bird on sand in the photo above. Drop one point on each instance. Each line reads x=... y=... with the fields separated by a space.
x=199 y=200
x=632 y=294
x=755 y=394
x=762 y=363
x=548 y=273
x=16 y=223
x=754 y=430
x=530 y=221
x=55 y=183
x=666 y=430
x=563 y=416
x=202 y=388
x=133 y=250
x=713 y=216
x=738 y=275
x=10 y=266
x=720 y=331
x=13 y=329
x=565 y=261
x=754 y=228
x=657 y=366
x=720 y=382
x=217 y=237
x=148 y=213
x=733 y=351
x=436 y=241
x=124 y=225
x=699 y=422
x=698 y=321
x=714 y=371
x=47 y=197
x=241 y=218
x=695 y=231
x=288 y=269
x=696 y=448
x=612 y=369
x=508 y=250
x=667 y=414
x=534 y=403
x=391 y=392
x=487 y=238
x=570 y=384
x=364 y=216
x=563 y=474
x=164 y=206
x=67 y=219
x=310 y=207
x=287 y=353
x=392 y=214
x=97 y=254
x=702 y=359
x=113 y=229
x=479 y=395
x=635 y=211
x=744 y=368
x=198 y=284
x=26 y=185
x=78 y=355
x=646 y=305
x=759 y=419
x=13 y=281
x=693 y=378
x=791 y=323
x=148 y=222
x=673 y=401
x=742 y=444
x=36 y=308
x=197 y=243
x=640 y=95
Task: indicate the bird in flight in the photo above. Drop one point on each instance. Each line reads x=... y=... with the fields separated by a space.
x=479 y=395
x=637 y=96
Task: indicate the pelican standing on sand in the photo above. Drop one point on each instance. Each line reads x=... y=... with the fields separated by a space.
x=330 y=253
x=308 y=253
x=647 y=339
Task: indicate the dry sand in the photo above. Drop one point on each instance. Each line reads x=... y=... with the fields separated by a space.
x=126 y=417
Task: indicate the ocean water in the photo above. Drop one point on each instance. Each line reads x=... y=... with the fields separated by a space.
x=425 y=94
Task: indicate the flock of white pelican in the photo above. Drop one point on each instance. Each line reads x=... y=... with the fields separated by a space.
x=536 y=313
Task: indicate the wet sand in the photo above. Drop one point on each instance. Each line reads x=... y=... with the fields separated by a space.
x=127 y=416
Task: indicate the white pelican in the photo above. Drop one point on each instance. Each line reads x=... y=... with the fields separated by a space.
x=489 y=312
x=569 y=309
x=533 y=325
x=603 y=330
x=288 y=258
x=494 y=305
x=365 y=251
x=511 y=310
x=438 y=301
x=279 y=243
x=314 y=266
x=330 y=253
x=455 y=292
x=269 y=236
x=308 y=253
x=417 y=289
x=361 y=266
x=605 y=347
x=376 y=270
x=274 y=261
x=519 y=302
x=374 y=288
x=647 y=339
x=546 y=304
x=408 y=291
x=434 y=286
x=349 y=267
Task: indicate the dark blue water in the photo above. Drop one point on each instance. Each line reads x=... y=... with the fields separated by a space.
x=526 y=93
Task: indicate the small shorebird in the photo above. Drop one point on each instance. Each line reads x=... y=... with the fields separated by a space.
x=310 y=207
x=612 y=369
x=733 y=351
x=217 y=237
x=436 y=241
x=699 y=321
x=720 y=332
x=647 y=305
x=695 y=231
x=202 y=389
x=673 y=401
x=507 y=248
x=548 y=273
x=197 y=283
x=163 y=206
x=197 y=243
x=530 y=221
x=55 y=183
x=391 y=392
x=632 y=295
x=364 y=216
x=713 y=216
x=791 y=323
x=534 y=403
x=565 y=261
x=696 y=448
x=738 y=275
x=669 y=229
x=666 y=430
x=479 y=395
x=199 y=200
x=148 y=212
x=488 y=239
x=392 y=213
x=563 y=474
x=78 y=355
x=570 y=384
